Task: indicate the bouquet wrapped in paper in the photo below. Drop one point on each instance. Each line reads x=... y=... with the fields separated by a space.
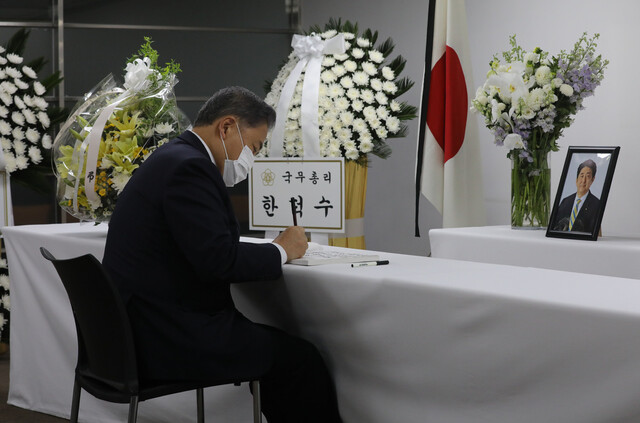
x=112 y=131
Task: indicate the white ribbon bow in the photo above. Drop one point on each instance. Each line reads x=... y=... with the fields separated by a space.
x=310 y=50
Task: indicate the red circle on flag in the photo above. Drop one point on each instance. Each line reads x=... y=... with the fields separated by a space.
x=448 y=103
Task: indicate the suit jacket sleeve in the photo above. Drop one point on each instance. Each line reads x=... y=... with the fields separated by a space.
x=200 y=217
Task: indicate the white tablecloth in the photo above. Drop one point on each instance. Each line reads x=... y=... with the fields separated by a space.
x=609 y=255
x=419 y=340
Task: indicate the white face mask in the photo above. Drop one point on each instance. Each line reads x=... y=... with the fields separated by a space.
x=236 y=171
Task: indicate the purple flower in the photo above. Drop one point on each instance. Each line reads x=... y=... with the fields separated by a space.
x=545 y=119
x=522 y=127
x=524 y=154
x=499 y=133
x=562 y=64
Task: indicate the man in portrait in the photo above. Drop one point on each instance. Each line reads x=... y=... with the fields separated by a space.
x=578 y=212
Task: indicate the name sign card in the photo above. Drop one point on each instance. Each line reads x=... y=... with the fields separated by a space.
x=312 y=190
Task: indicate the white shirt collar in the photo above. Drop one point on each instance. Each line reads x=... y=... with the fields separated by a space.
x=206 y=147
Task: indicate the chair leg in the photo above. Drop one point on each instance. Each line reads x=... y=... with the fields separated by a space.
x=75 y=403
x=257 y=407
x=200 y=401
x=133 y=409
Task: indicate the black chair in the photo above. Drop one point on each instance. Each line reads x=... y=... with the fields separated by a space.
x=107 y=366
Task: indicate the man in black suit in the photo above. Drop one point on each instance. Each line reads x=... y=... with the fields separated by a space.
x=578 y=212
x=173 y=250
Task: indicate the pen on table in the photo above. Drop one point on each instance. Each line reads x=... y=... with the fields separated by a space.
x=293 y=213
x=370 y=263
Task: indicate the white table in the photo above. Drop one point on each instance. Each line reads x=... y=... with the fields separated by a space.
x=419 y=340
x=609 y=255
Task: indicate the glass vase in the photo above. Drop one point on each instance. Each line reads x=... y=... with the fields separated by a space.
x=530 y=190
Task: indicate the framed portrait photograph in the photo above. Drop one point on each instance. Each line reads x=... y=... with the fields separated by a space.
x=582 y=193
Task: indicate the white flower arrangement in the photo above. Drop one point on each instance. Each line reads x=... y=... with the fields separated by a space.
x=26 y=121
x=358 y=107
x=530 y=97
x=25 y=115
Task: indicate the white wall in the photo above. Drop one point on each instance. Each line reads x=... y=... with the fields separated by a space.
x=610 y=117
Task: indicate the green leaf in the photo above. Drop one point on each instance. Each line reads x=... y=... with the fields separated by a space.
x=51 y=81
x=407 y=112
x=402 y=133
x=403 y=85
x=349 y=27
x=314 y=28
x=17 y=42
x=76 y=135
x=382 y=150
x=333 y=24
x=37 y=64
x=146 y=50
x=57 y=114
x=397 y=65
x=386 y=48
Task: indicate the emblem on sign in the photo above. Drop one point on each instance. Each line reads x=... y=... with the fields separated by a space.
x=268 y=178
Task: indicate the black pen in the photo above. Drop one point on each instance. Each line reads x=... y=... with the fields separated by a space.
x=293 y=213
x=370 y=263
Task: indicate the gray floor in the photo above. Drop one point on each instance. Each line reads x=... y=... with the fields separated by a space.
x=11 y=414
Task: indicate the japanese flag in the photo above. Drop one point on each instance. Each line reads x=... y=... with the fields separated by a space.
x=449 y=171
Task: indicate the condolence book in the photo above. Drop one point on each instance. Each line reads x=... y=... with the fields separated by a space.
x=316 y=255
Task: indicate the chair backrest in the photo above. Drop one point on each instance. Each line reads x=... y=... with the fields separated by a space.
x=106 y=350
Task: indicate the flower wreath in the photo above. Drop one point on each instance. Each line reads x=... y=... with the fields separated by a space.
x=358 y=91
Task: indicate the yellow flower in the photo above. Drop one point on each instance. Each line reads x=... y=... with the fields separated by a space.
x=128 y=125
x=82 y=198
x=128 y=147
x=66 y=164
x=123 y=163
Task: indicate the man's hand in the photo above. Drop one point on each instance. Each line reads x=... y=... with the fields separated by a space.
x=294 y=242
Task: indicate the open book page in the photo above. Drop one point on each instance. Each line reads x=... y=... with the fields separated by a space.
x=317 y=254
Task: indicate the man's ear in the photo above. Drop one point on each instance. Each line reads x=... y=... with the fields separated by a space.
x=226 y=124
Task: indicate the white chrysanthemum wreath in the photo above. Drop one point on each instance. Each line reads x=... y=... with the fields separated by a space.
x=358 y=107
x=25 y=120
x=25 y=140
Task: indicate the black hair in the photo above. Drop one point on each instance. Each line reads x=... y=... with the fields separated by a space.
x=590 y=164
x=236 y=101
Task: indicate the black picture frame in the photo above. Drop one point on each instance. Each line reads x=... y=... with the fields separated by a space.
x=586 y=223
